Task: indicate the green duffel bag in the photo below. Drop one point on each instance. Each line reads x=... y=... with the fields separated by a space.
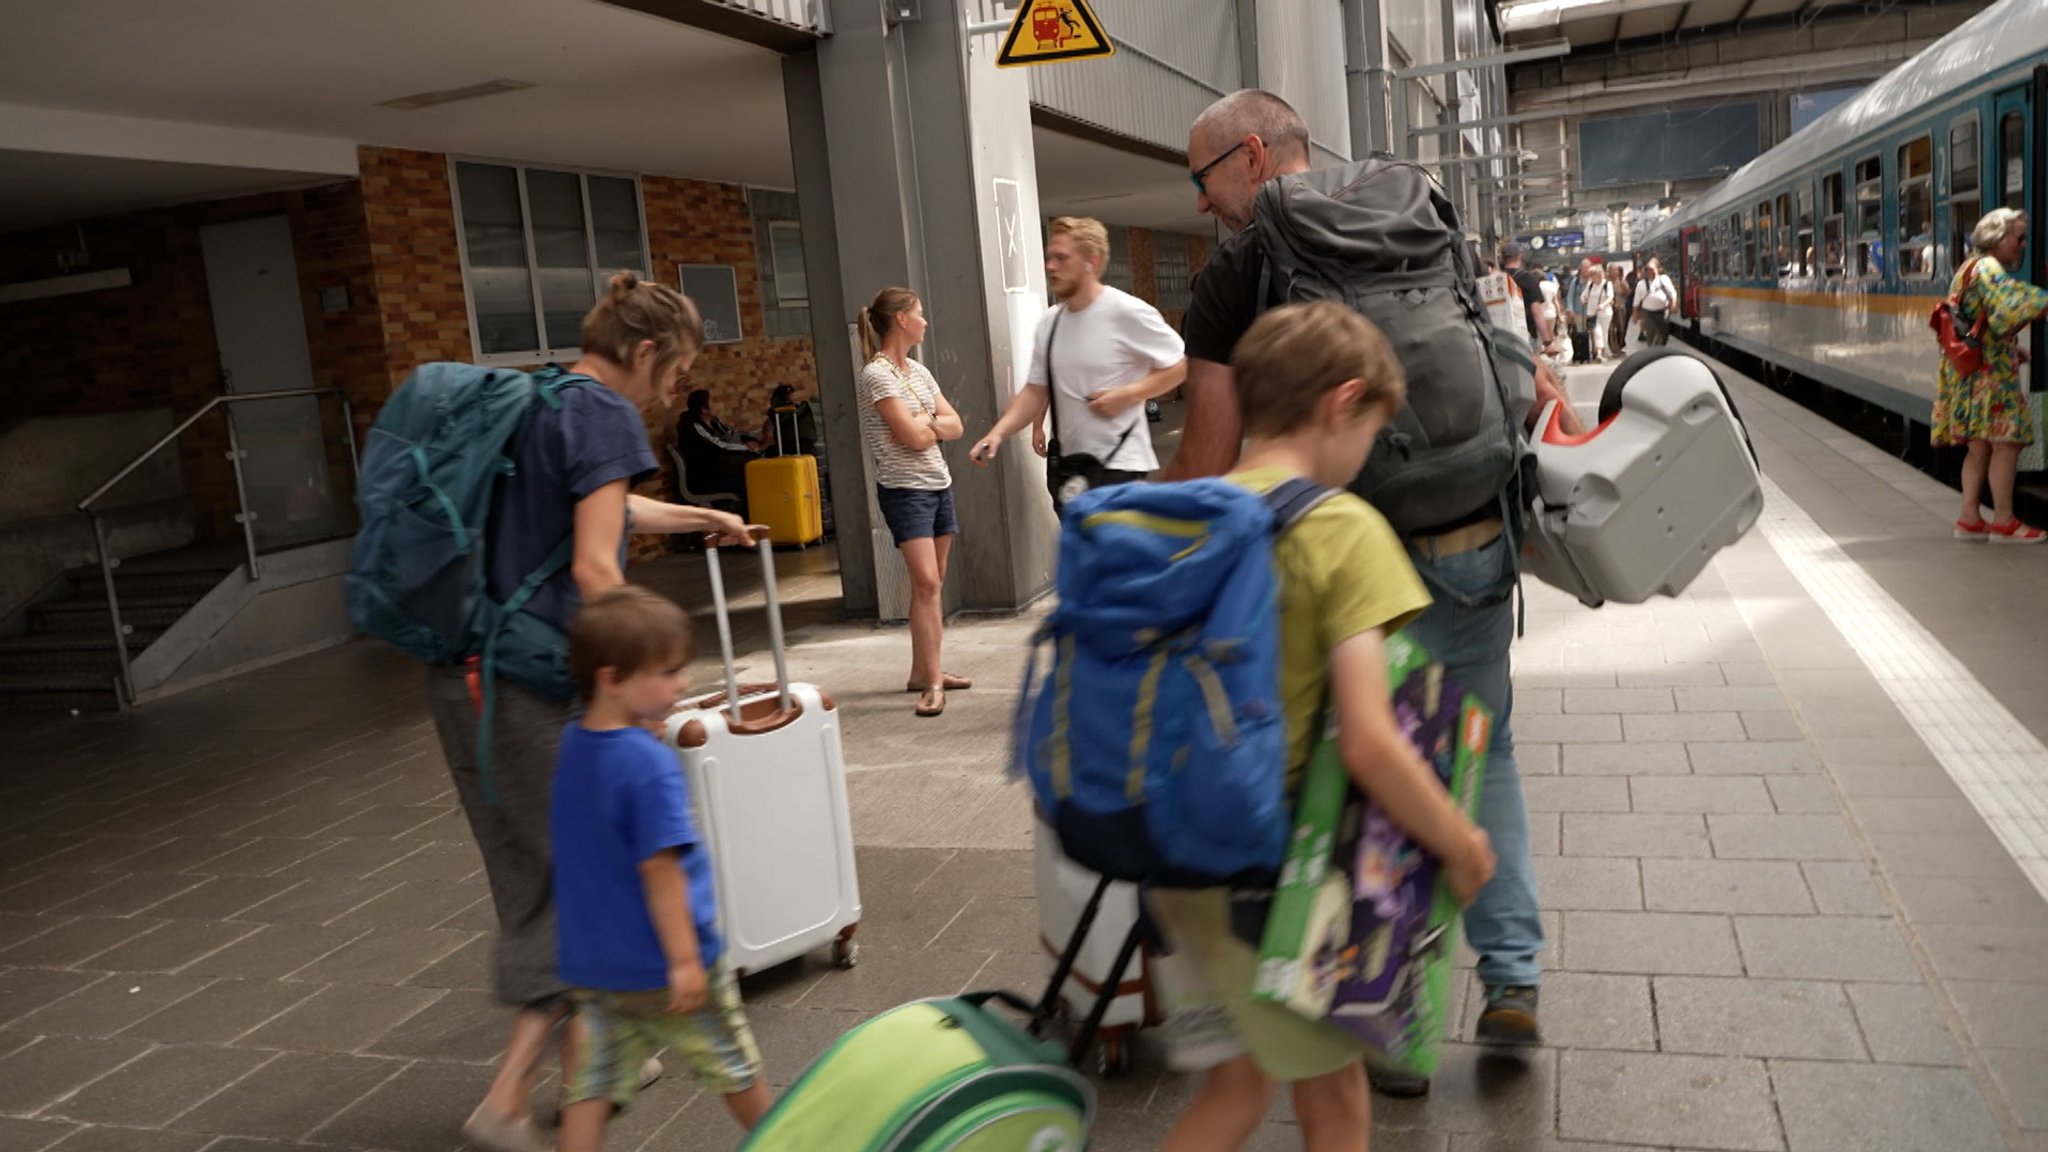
x=944 y=1075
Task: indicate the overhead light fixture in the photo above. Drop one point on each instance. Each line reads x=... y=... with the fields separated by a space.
x=1537 y=13
x=452 y=95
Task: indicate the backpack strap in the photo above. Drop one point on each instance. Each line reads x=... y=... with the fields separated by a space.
x=1293 y=499
x=549 y=383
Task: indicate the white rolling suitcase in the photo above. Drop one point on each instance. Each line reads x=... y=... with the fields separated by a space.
x=1111 y=955
x=1640 y=504
x=770 y=793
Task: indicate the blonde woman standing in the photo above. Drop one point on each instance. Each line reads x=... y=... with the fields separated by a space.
x=904 y=417
x=1599 y=305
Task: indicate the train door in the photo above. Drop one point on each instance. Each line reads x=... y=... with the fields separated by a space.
x=1689 y=270
x=2013 y=145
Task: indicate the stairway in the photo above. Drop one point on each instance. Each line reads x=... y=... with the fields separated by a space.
x=66 y=660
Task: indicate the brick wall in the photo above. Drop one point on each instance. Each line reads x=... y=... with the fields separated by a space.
x=152 y=344
x=695 y=222
x=416 y=259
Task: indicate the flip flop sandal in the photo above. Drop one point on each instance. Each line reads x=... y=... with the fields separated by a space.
x=937 y=705
x=947 y=680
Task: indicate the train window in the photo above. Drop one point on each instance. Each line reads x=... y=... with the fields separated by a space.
x=1869 y=217
x=1749 y=265
x=1965 y=187
x=1735 y=269
x=1916 y=209
x=2012 y=162
x=1831 y=224
x=1784 y=218
x=1802 y=246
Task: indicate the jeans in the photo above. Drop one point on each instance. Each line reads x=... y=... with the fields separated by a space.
x=1469 y=628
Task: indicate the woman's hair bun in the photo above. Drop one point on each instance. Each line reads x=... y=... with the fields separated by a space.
x=623 y=283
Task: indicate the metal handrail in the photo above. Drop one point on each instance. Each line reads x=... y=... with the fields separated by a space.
x=125 y=686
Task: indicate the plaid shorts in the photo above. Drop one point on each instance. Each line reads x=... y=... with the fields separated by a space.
x=622 y=1029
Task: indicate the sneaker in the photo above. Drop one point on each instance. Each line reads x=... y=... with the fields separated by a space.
x=650 y=1072
x=1972 y=529
x=1510 y=1017
x=2014 y=532
x=488 y=1132
x=1397 y=1085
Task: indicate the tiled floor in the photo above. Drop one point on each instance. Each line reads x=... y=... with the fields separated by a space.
x=251 y=917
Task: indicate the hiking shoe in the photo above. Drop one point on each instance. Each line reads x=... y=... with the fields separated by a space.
x=486 y=1131
x=1510 y=1017
x=1397 y=1085
x=1972 y=529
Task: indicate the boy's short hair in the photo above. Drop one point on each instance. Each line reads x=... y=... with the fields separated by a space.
x=626 y=628
x=1088 y=235
x=1294 y=354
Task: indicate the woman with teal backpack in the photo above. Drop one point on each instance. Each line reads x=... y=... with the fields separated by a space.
x=555 y=532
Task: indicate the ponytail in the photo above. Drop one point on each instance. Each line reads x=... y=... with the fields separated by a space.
x=878 y=319
x=633 y=310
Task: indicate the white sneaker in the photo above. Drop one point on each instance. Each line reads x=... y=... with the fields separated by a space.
x=488 y=1132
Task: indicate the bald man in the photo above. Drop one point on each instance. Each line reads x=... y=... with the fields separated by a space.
x=1238 y=144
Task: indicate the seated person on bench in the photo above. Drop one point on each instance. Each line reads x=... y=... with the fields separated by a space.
x=715 y=453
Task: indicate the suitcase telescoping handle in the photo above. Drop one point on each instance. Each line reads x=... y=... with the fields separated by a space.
x=732 y=680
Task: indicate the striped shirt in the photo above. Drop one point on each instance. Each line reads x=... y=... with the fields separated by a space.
x=895 y=465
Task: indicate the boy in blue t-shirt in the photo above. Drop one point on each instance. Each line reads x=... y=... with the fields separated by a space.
x=638 y=915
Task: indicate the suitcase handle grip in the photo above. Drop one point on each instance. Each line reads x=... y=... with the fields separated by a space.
x=766 y=548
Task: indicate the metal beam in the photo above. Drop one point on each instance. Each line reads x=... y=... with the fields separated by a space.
x=1487 y=122
x=1454 y=160
x=1520 y=55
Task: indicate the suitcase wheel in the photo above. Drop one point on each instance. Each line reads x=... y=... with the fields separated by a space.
x=845 y=953
x=1113 y=1055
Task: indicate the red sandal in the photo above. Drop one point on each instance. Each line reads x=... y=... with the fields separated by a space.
x=1972 y=529
x=2014 y=532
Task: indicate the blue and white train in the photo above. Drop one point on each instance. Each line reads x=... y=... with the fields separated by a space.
x=1824 y=256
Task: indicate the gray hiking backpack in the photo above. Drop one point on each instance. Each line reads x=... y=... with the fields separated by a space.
x=1382 y=238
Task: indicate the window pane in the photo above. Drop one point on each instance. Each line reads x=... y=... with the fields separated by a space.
x=500 y=286
x=1831 y=246
x=1965 y=214
x=615 y=212
x=562 y=253
x=1916 y=230
x=786 y=241
x=1964 y=164
x=1916 y=159
x=2012 y=165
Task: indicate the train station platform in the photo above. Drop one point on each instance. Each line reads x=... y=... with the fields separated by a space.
x=1792 y=838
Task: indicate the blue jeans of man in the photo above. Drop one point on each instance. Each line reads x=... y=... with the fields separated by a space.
x=1468 y=629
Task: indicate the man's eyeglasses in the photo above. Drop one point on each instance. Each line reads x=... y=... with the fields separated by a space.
x=1202 y=173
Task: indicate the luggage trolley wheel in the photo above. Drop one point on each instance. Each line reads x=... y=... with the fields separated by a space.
x=845 y=950
x=1113 y=1053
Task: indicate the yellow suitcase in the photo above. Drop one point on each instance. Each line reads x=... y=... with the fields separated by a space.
x=783 y=493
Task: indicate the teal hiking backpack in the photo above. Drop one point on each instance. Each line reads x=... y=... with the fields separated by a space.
x=1156 y=745
x=417 y=577
x=944 y=1075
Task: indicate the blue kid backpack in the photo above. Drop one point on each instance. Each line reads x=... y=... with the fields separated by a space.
x=417 y=571
x=1156 y=744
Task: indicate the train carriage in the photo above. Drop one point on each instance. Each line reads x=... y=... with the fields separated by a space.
x=1825 y=255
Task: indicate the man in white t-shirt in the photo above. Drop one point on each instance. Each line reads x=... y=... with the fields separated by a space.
x=1100 y=353
x=1653 y=299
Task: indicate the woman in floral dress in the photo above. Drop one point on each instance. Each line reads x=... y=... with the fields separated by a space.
x=1987 y=410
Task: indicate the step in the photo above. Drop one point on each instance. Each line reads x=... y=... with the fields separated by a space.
x=88 y=583
x=197 y=558
x=98 y=662
x=75 y=702
x=79 y=614
x=82 y=640
x=32 y=684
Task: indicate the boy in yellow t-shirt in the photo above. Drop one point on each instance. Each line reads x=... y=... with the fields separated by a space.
x=1316 y=383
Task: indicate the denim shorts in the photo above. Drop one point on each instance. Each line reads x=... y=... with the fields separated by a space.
x=917 y=514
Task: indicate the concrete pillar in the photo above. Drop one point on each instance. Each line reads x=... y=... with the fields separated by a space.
x=914 y=166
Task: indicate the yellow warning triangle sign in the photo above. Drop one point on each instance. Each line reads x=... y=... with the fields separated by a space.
x=1046 y=31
